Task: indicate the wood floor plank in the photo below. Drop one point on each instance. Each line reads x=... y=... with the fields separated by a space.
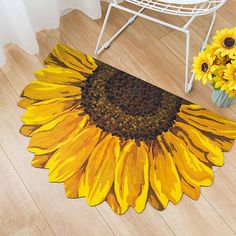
x=66 y=217
x=228 y=11
x=18 y=212
x=195 y=218
x=16 y=60
x=201 y=24
x=231 y=156
x=175 y=41
x=158 y=30
x=47 y=40
x=221 y=195
x=149 y=222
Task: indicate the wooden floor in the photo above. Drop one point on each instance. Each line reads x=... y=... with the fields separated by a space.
x=30 y=205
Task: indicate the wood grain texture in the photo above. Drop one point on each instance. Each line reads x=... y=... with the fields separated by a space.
x=19 y=213
x=222 y=192
x=150 y=52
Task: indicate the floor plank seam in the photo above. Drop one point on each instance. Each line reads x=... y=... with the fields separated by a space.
x=219 y=214
x=27 y=190
x=105 y=221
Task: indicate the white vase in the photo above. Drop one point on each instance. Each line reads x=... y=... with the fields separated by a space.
x=220 y=98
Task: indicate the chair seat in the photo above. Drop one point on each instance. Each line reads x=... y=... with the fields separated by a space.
x=180 y=7
x=181 y=2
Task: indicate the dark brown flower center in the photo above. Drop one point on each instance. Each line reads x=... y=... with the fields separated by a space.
x=126 y=106
x=205 y=67
x=229 y=42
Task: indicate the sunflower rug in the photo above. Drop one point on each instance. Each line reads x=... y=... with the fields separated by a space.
x=109 y=136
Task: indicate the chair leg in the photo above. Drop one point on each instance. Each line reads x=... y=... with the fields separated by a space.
x=97 y=50
x=114 y=36
x=209 y=31
x=188 y=84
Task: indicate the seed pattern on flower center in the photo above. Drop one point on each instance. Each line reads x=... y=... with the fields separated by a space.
x=205 y=67
x=126 y=106
x=229 y=42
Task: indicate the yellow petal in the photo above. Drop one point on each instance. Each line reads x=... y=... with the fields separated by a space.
x=218 y=84
x=46 y=111
x=199 y=144
x=82 y=187
x=131 y=177
x=38 y=90
x=232 y=94
x=65 y=56
x=164 y=178
x=100 y=170
x=75 y=185
x=40 y=161
x=193 y=170
x=197 y=110
x=154 y=201
x=57 y=133
x=26 y=102
x=71 y=185
x=70 y=158
x=190 y=190
x=225 y=144
x=207 y=121
x=59 y=75
x=113 y=203
x=27 y=130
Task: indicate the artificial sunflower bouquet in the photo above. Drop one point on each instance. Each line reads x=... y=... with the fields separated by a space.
x=217 y=64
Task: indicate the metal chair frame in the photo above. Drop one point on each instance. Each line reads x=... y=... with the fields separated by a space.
x=190 y=8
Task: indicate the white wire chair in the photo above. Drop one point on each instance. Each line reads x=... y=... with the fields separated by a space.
x=189 y=8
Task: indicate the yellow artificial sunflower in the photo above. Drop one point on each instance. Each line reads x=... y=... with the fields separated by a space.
x=218 y=79
x=109 y=136
x=224 y=42
x=210 y=50
x=230 y=78
x=218 y=59
x=203 y=66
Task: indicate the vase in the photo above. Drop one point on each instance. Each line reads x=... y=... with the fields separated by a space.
x=220 y=98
